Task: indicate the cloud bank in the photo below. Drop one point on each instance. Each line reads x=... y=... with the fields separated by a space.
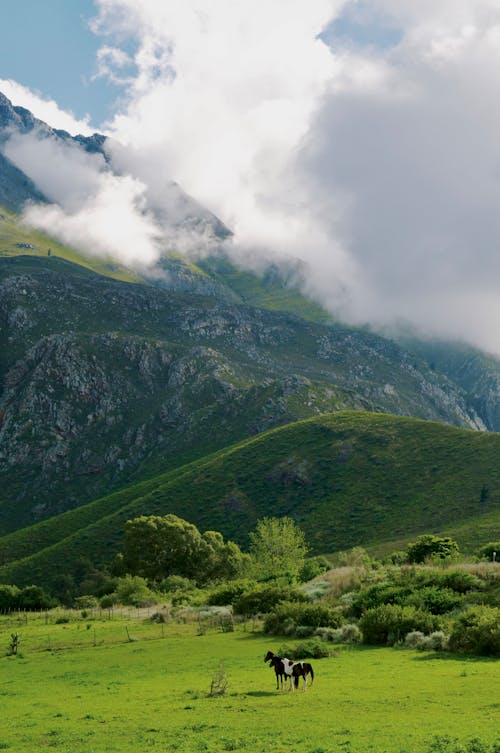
x=362 y=137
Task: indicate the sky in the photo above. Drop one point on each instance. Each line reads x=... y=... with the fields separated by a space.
x=359 y=136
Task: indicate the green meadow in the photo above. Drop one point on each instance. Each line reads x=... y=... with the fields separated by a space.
x=101 y=685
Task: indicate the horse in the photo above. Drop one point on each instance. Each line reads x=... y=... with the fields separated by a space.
x=289 y=669
x=279 y=668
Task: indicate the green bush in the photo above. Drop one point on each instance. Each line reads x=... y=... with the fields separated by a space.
x=285 y=618
x=133 y=590
x=378 y=594
x=460 y=581
x=312 y=567
x=389 y=623
x=265 y=598
x=435 y=599
x=429 y=546
x=477 y=630
x=229 y=593
x=305 y=650
x=175 y=583
x=486 y=551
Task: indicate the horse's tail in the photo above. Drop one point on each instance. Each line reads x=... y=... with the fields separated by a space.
x=311 y=671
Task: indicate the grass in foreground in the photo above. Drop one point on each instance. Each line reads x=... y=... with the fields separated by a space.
x=153 y=694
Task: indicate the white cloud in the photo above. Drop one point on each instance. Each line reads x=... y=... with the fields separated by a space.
x=94 y=210
x=45 y=109
x=378 y=165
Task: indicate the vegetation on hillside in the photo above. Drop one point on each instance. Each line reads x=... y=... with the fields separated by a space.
x=347 y=479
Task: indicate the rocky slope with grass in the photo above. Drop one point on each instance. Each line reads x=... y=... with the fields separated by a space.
x=105 y=382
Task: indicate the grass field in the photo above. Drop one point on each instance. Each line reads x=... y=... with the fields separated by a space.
x=102 y=692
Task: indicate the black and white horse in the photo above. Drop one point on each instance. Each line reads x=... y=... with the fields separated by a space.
x=287 y=669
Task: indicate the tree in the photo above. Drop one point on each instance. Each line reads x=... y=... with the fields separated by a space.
x=278 y=549
x=428 y=545
x=157 y=547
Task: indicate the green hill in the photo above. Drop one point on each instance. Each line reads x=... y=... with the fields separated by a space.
x=352 y=478
x=16 y=239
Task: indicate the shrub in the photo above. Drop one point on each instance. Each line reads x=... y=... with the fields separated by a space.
x=312 y=567
x=345 y=634
x=414 y=638
x=389 y=623
x=331 y=635
x=460 y=581
x=229 y=593
x=133 y=590
x=175 y=583
x=436 y=641
x=486 y=551
x=9 y=597
x=86 y=602
x=305 y=650
x=316 y=590
x=435 y=599
x=428 y=546
x=304 y=631
x=285 y=618
x=378 y=594
x=264 y=598
x=477 y=630
x=350 y=634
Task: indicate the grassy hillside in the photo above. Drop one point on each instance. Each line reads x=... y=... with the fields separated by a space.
x=272 y=290
x=352 y=478
x=16 y=239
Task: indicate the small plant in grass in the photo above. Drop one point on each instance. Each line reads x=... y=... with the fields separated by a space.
x=15 y=640
x=219 y=683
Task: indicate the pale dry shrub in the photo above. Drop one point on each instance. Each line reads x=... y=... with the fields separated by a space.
x=344 y=579
x=436 y=641
x=414 y=639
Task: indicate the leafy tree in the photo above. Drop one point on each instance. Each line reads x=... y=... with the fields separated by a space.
x=157 y=547
x=34 y=597
x=428 y=545
x=133 y=590
x=278 y=549
x=9 y=597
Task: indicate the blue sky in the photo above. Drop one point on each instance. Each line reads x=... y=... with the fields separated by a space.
x=50 y=49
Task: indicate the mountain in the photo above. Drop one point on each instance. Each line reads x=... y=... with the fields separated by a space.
x=352 y=478
x=105 y=382
x=476 y=372
x=109 y=378
x=176 y=208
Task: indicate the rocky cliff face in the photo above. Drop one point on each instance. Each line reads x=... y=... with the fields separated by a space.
x=475 y=372
x=105 y=382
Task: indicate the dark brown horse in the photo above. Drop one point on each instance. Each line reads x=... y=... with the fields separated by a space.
x=286 y=669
